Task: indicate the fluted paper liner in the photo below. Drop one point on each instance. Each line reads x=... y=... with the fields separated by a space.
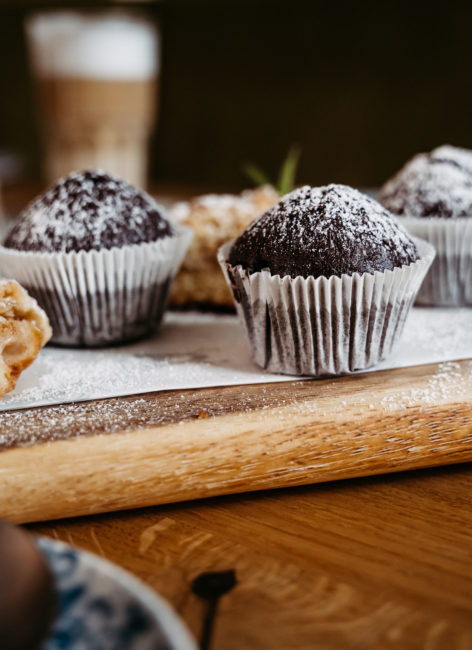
x=100 y=297
x=449 y=281
x=324 y=326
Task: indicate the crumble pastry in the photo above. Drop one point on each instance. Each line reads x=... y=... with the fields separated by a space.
x=24 y=329
x=214 y=218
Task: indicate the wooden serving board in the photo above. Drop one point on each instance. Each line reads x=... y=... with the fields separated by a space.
x=177 y=445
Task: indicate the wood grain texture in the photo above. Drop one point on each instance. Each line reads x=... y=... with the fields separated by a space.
x=379 y=563
x=260 y=437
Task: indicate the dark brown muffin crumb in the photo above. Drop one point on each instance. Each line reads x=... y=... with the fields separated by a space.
x=88 y=211
x=324 y=231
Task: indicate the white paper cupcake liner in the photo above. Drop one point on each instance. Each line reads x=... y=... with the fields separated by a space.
x=319 y=326
x=100 y=297
x=449 y=281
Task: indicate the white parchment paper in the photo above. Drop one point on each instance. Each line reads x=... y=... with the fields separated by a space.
x=194 y=350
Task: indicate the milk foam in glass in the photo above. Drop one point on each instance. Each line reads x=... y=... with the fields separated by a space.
x=97 y=81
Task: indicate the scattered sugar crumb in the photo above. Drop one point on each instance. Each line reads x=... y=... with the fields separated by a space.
x=449 y=381
x=186 y=356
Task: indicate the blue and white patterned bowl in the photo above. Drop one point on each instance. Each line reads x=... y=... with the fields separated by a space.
x=101 y=607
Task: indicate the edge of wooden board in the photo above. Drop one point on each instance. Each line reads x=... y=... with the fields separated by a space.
x=287 y=434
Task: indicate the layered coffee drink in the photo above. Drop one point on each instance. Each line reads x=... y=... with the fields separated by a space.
x=97 y=80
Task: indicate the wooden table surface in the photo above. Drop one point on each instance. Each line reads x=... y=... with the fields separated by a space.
x=381 y=562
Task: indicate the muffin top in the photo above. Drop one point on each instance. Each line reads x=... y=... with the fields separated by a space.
x=435 y=184
x=88 y=211
x=324 y=231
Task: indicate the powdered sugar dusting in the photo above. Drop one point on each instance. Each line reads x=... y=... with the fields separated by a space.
x=455 y=156
x=449 y=381
x=196 y=350
x=89 y=211
x=25 y=428
x=204 y=350
x=436 y=184
x=324 y=231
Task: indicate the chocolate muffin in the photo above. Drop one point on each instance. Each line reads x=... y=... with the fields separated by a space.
x=98 y=255
x=323 y=281
x=436 y=185
x=432 y=197
x=324 y=231
x=88 y=211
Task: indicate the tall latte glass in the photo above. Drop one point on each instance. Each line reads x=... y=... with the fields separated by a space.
x=97 y=78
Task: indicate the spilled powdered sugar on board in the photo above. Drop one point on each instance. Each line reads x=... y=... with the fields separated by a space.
x=195 y=350
x=450 y=381
x=23 y=428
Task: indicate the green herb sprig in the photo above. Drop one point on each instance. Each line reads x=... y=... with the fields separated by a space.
x=285 y=182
